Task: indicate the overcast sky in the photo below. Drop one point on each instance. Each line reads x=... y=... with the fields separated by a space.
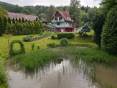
x=52 y=2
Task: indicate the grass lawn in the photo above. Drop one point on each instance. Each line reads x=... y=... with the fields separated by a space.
x=42 y=43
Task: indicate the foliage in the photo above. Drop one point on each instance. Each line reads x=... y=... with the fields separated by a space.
x=3 y=24
x=64 y=42
x=53 y=37
x=107 y=5
x=75 y=11
x=51 y=45
x=90 y=54
x=3 y=12
x=84 y=17
x=43 y=41
x=3 y=79
x=85 y=28
x=3 y=20
x=33 y=46
x=109 y=35
x=34 y=60
x=12 y=52
x=27 y=39
x=65 y=35
x=18 y=28
x=97 y=25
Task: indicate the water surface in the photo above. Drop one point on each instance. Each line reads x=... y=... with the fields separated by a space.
x=65 y=75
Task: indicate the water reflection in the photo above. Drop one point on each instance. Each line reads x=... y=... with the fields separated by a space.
x=61 y=75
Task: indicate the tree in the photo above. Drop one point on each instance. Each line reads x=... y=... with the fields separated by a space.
x=96 y=20
x=3 y=12
x=97 y=25
x=84 y=18
x=107 y=5
x=109 y=34
x=51 y=11
x=75 y=11
x=3 y=25
x=3 y=20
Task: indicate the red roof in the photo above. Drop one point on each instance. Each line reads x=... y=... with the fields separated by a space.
x=18 y=16
x=65 y=15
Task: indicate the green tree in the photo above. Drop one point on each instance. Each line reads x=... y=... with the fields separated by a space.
x=3 y=12
x=97 y=25
x=51 y=11
x=75 y=11
x=3 y=25
x=107 y=5
x=109 y=34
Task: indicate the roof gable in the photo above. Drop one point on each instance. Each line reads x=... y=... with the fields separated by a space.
x=65 y=15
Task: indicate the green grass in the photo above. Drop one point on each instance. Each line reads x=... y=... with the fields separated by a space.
x=42 y=43
x=28 y=45
x=33 y=60
x=91 y=55
x=3 y=79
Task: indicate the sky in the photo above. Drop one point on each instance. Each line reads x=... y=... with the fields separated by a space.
x=90 y=3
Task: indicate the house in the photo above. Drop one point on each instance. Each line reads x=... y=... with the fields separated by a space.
x=20 y=16
x=62 y=22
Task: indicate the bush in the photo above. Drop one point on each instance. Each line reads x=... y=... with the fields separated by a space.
x=52 y=45
x=65 y=35
x=64 y=42
x=109 y=34
x=27 y=39
x=34 y=60
x=53 y=37
x=98 y=22
x=12 y=52
x=3 y=78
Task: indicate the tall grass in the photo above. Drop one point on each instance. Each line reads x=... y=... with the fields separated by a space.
x=3 y=79
x=91 y=54
x=35 y=59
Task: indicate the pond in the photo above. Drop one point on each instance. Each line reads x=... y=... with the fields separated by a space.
x=65 y=74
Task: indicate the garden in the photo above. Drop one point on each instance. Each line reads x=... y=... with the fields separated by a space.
x=29 y=49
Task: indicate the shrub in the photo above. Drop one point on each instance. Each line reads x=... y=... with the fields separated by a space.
x=33 y=46
x=109 y=34
x=12 y=52
x=3 y=78
x=65 y=35
x=34 y=60
x=64 y=42
x=53 y=37
x=38 y=47
x=27 y=39
x=98 y=22
x=52 y=45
